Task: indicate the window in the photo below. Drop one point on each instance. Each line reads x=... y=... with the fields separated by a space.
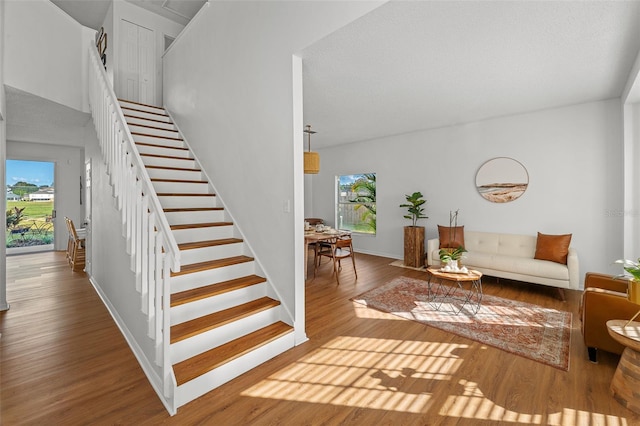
x=356 y=206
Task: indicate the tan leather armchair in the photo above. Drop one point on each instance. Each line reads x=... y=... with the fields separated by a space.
x=603 y=299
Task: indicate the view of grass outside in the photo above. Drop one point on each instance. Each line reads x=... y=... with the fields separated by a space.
x=35 y=226
x=30 y=203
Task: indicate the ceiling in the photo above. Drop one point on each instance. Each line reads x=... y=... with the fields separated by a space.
x=91 y=13
x=415 y=65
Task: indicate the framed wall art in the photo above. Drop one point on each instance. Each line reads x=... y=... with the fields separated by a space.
x=501 y=180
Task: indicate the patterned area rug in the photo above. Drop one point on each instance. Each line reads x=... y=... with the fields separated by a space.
x=531 y=331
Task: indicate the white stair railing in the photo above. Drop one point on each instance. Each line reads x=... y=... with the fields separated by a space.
x=150 y=242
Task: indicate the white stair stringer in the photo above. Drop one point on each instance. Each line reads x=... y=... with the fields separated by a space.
x=223 y=318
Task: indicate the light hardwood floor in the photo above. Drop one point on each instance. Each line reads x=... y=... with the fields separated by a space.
x=64 y=362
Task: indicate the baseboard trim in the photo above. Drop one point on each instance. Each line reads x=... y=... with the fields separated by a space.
x=145 y=363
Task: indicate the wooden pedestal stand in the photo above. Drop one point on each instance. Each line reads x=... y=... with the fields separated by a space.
x=414 y=246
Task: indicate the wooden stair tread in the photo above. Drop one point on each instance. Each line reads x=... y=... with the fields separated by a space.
x=183 y=194
x=146 y=119
x=211 y=264
x=140 y=103
x=192 y=209
x=186 y=169
x=166 y=156
x=154 y=127
x=155 y=145
x=208 y=243
x=216 y=289
x=205 y=323
x=200 y=364
x=178 y=180
x=156 y=136
x=143 y=111
x=199 y=225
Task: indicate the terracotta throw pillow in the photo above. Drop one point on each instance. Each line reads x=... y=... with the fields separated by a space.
x=451 y=236
x=553 y=247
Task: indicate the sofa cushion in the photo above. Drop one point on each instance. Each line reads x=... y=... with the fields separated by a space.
x=451 y=236
x=516 y=265
x=553 y=247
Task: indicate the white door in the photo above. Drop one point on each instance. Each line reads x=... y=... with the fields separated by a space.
x=136 y=80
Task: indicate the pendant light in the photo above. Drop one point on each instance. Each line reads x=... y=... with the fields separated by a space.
x=311 y=159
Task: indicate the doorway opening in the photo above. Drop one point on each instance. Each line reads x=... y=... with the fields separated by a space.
x=30 y=211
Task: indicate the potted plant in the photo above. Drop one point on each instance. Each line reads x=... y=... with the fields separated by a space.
x=413 y=234
x=451 y=256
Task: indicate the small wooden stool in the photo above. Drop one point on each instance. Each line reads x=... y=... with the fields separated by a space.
x=625 y=385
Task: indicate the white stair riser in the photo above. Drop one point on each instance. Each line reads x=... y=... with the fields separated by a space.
x=168 y=162
x=149 y=116
x=185 y=201
x=199 y=308
x=153 y=131
x=168 y=142
x=211 y=276
x=174 y=174
x=168 y=151
x=146 y=122
x=125 y=103
x=229 y=371
x=204 y=216
x=209 y=253
x=181 y=187
x=195 y=345
x=202 y=234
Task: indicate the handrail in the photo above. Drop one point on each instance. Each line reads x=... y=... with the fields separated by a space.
x=153 y=249
x=163 y=225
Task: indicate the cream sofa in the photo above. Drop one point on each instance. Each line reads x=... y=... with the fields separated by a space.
x=510 y=256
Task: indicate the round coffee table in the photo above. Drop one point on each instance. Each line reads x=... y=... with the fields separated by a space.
x=626 y=380
x=448 y=289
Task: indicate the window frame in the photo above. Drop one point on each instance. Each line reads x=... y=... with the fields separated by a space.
x=339 y=204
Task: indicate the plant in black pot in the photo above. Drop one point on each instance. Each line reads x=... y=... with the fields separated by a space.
x=414 y=235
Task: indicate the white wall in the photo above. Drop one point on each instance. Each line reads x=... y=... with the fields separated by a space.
x=142 y=17
x=109 y=261
x=44 y=50
x=229 y=82
x=69 y=167
x=573 y=156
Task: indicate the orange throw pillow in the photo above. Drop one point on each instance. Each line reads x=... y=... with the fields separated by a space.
x=451 y=236
x=553 y=247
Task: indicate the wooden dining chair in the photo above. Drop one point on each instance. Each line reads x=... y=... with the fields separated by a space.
x=340 y=248
x=75 y=247
x=69 y=240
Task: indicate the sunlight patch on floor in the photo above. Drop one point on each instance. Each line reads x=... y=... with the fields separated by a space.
x=362 y=311
x=569 y=416
x=385 y=374
x=474 y=405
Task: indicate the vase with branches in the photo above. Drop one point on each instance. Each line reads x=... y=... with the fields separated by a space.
x=449 y=255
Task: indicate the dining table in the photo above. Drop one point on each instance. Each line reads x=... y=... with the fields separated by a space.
x=312 y=236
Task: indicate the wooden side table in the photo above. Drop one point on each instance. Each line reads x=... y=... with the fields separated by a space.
x=448 y=288
x=625 y=385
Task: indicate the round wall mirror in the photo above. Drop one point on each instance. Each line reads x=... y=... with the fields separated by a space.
x=501 y=180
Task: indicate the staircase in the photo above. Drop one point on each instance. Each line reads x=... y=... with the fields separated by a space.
x=224 y=316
